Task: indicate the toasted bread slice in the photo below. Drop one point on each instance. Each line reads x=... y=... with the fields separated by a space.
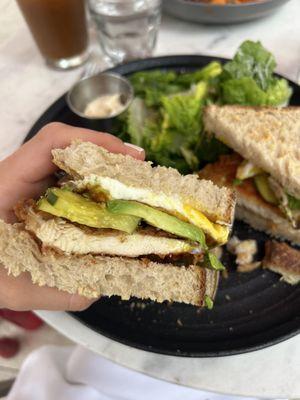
x=268 y=137
x=284 y=260
x=251 y=207
x=94 y=276
x=142 y=182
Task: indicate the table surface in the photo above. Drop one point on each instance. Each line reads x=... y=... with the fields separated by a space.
x=28 y=87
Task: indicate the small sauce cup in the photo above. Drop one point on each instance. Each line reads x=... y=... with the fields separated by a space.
x=87 y=90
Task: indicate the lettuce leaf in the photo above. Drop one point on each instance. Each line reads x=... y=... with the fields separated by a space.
x=278 y=93
x=169 y=134
x=166 y=115
x=142 y=123
x=181 y=112
x=249 y=78
x=252 y=60
x=242 y=91
x=245 y=91
x=151 y=85
x=209 y=72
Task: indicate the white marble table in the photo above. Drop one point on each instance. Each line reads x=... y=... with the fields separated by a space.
x=27 y=88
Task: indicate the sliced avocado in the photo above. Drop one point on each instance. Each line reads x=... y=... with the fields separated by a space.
x=247 y=170
x=264 y=189
x=209 y=304
x=212 y=262
x=159 y=219
x=76 y=208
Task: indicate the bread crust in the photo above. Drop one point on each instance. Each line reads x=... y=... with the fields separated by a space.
x=83 y=159
x=94 y=276
x=284 y=260
x=267 y=136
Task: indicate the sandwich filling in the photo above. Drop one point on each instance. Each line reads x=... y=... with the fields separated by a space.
x=86 y=219
x=270 y=190
x=114 y=189
x=254 y=185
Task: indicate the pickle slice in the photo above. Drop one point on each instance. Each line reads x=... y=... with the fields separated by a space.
x=264 y=189
x=76 y=208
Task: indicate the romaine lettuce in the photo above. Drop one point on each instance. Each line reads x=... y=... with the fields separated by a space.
x=249 y=78
x=166 y=115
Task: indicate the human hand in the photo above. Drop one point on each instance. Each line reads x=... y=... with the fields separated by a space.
x=27 y=173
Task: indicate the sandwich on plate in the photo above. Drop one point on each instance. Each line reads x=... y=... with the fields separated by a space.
x=118 y=226
x=265 y=165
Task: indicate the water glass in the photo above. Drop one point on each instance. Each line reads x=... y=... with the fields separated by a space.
x=127 y=29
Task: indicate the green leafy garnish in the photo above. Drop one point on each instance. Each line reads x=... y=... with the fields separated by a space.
x=237 y=182
x=212 y=262
x=293 y=202
x=209 y=304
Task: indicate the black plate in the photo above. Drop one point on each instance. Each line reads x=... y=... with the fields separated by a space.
x=221 y=14
x=252 y=310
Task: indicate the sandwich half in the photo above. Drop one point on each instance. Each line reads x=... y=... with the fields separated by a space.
x=265 y=168
x=118 y=226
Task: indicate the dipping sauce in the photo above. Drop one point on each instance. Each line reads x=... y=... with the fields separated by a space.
x=104 y=106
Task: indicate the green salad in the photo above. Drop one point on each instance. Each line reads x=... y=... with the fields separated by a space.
x=165 y=117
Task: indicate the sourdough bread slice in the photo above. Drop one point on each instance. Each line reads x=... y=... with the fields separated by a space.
x=94 y=276
x=84 y=159
x=267 y=136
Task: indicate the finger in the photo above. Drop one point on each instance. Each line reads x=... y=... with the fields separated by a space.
x=33 y=161
x=12 y=193
x=20 y=294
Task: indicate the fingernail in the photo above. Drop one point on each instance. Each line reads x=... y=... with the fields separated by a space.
x=133 y=146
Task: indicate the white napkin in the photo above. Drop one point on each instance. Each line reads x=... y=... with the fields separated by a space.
x=74 y=373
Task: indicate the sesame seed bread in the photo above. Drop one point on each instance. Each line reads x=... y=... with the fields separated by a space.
x=267 y=136
x=82 y=159
x=94 y=276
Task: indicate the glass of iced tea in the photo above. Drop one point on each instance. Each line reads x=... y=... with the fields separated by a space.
x=59 y=28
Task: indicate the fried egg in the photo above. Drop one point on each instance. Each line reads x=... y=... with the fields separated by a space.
x=117 y=190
